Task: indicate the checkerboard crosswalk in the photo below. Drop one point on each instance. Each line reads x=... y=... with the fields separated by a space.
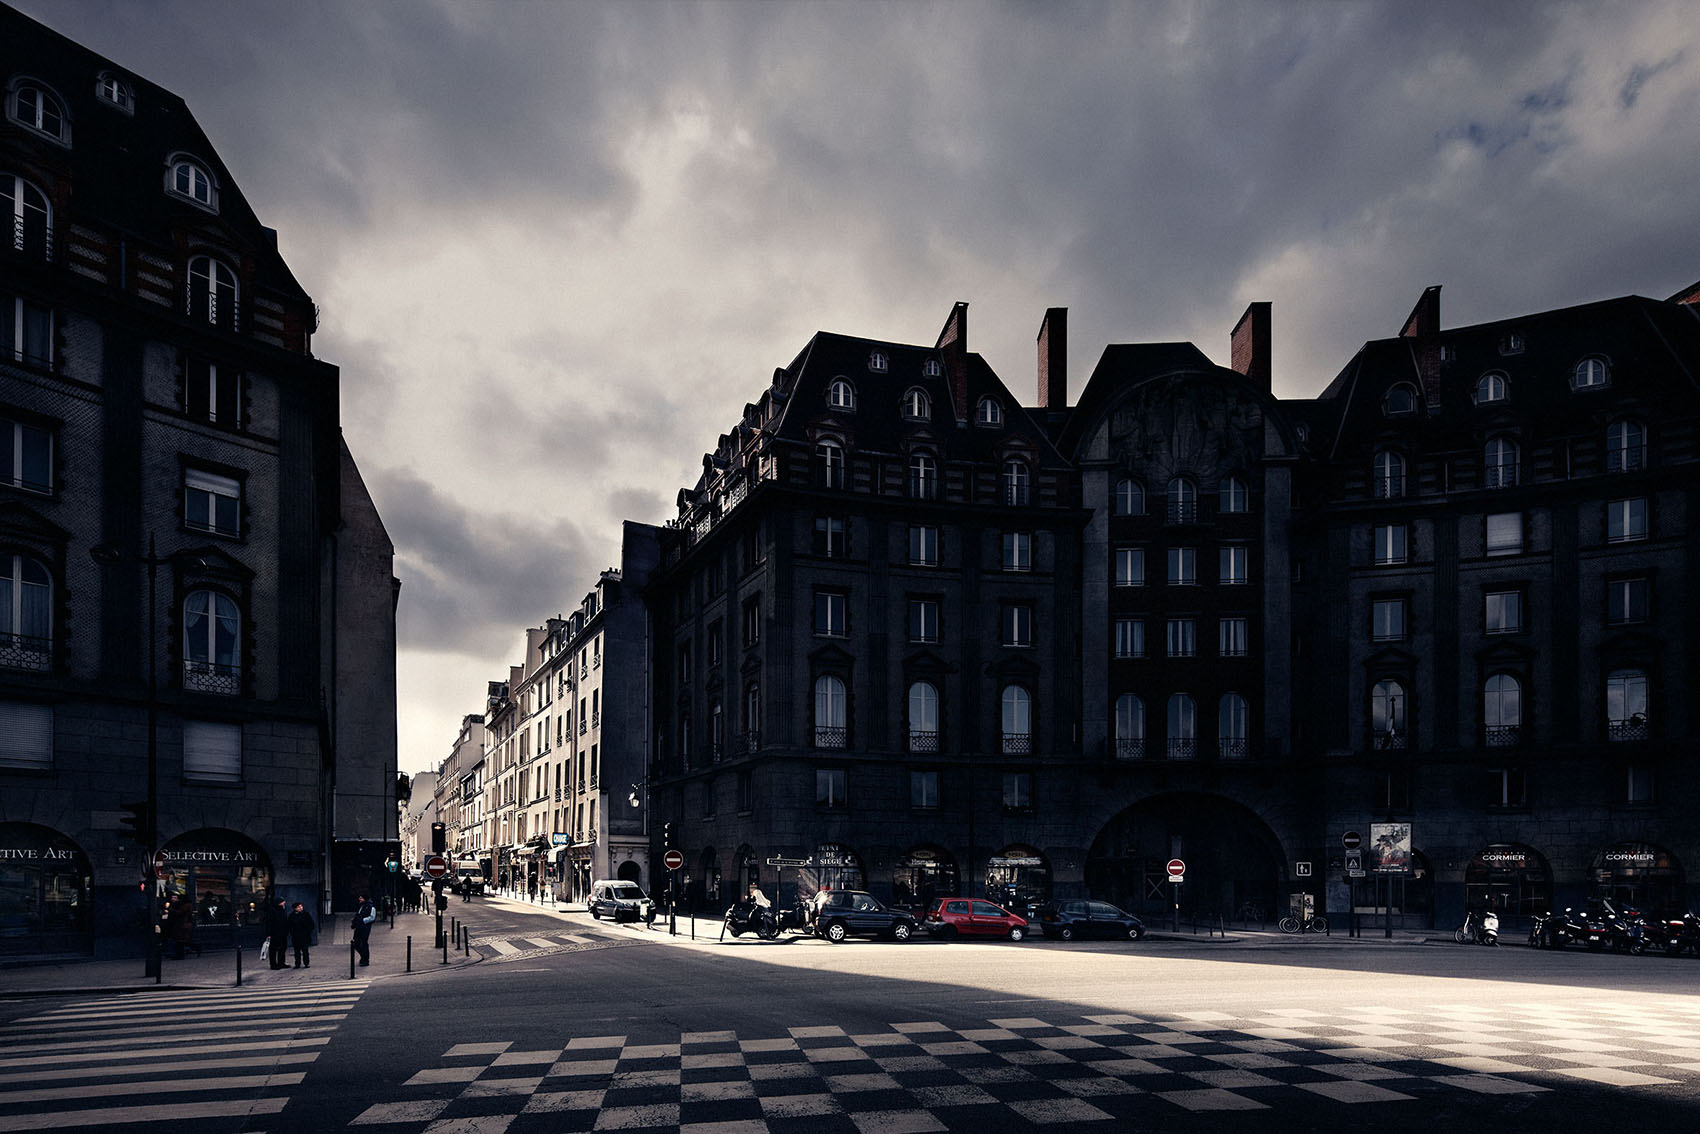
x=924 y=1075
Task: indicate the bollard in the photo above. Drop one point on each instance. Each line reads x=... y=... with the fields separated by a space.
x=239 y=964
x=410 y=952
x=351 y=960
x=468 y=940
x=445 y=950
x=454 y=927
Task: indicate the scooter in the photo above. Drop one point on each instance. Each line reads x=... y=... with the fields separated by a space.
x=748 y=917
x=1489 y=932
x=1542 y=930
x=1675 y=935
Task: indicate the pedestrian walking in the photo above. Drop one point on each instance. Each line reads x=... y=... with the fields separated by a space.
x=301 y=934
x=180 y=927
x=363 y=919
x=277 y=932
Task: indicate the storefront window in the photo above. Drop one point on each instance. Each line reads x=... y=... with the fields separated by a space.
x=1642 y=876
x=1509 y=878
x=225 y=876
x=1018 y=876
x=922 y=876
x=45 y=886
x=836 y=867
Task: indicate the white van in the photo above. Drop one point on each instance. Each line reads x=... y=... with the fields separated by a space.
x=467 y=870
x=620 y=900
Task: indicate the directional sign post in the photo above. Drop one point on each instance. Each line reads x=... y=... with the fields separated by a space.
x=1177 y=875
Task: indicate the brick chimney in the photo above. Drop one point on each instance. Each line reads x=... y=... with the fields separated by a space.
x=1249 y=345
x=1053 y=359
x=1690 y=296
x=1425 y=316
x=953 y=344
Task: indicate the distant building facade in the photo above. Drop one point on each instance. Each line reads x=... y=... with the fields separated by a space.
x=195 y=578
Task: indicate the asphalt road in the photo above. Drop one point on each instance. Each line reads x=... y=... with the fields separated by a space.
x=571 y=1025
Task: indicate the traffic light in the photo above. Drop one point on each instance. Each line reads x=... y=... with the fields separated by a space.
x=439 y=838
x=136 y=824
x=667 y=836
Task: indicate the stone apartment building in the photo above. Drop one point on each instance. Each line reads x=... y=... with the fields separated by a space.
x=198 y=609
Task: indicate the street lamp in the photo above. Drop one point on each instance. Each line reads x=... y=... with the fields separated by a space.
x=108 y=555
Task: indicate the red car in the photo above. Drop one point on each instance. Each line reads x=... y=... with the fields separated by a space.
x=972 y=917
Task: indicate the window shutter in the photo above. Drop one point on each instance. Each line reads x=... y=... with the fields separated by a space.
x=212 y=752
x=26 y=735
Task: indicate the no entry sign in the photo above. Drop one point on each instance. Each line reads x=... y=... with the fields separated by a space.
x=1177 y=870
x=674 y=859
x=437 y=866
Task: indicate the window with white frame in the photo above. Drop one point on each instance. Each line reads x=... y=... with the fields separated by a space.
x=212 y=292
x=1502 y=612
x=1387 y=714
x=1626 y=446
x=38 y=109
x=212 y=752
x=26 y=614
x=1499 y=463
x=26 y=736
x=1130 y=727
x=1401 y=399
x=923 y=477
x=923 y=717
x=1017 y=720
x=1129 y=498
x=1233 y=496
x=1233 y=636
x=1387 y=620
x=1130 y=566
x=212 y=637
x=830 y=456
x=830 y=539
x=1130 y=637
x=1015 y=482
x=212 y=392
x=1626 y=520
x=830 y=787
x=923 y=545
x=26 y=456
x=1183 y=566
x=1504 y=533
x=1590 y=374
x=931 y=368
x=110 y=88
x=1235 y=565
x=832 y=614
x=212 y=503
x=1017 y=623
x=840 y=394
x=26 y=330
x=923 y=620
x=1182 y=637
x=1490 y=388
x=831 y=712
x=1502 y=711
x=878 y=362
x=916 y=405
x=1389 y=475
x=1390 y=544
x=988 y=412
x=1626 y=704
x=1183 y=501
x=1626 y=601
x=1233 y=724
x=191 y=181
x=1183 y=727
x=1017 y=551
x=29 y=215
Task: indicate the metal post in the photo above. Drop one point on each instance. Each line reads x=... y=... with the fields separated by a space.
x=351 y=960
x=445 y=942
x=239 y=964
x=672 y=903
x=153 y=961
x=1387 y=932
x=410 y=952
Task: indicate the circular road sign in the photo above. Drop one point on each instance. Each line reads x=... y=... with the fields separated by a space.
x=437 y=866
x=674 y=859
x=1351 y=840
x=160 y=862
x=1177 y=869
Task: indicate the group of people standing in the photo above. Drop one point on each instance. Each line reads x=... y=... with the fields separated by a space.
x=286 y=927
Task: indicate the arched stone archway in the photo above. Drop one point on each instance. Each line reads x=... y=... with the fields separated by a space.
x=46 y=892
x=1232 y=857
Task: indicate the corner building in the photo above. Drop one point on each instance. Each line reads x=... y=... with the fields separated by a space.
x=191 y=571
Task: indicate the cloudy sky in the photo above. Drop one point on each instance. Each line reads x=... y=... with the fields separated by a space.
x=559 y=245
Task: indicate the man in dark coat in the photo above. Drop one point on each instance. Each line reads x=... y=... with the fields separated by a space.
x=363 y=919
x=301 y=934
x=277 y=930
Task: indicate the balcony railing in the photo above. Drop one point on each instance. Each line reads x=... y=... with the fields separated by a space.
x=1389 y=487
x=1635 y=728
x=1631 y=458
x=923 y=740
x=209 y=677
x=1183 y=748
x=751 y=740
x=1389 y=740
x=1182 y=511
x=1018 y=743
x=1502 y=736
x=1130 y=749
x=21 y=651
x=1502 y=475
x=827 y=736
x=1232 y=748
x=596 y=720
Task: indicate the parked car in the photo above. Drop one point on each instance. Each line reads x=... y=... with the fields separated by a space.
x=1083 y=917
x=842 y=913
x=972 y=917
x=620 y=900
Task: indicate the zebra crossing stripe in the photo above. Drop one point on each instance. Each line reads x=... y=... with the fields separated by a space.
x=128 y=1115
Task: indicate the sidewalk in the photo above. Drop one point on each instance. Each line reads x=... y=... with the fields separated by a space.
x=216 y=968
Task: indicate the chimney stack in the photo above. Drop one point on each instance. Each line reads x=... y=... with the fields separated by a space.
x=1053 y=359
x=1425 y=316
x=1249 y=345
x=953 y=345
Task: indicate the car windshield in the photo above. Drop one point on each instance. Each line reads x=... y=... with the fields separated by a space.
x=628 y=890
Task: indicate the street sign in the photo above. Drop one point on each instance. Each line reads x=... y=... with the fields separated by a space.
x=561 y=839
x=790 y=861
x=1354 y=864
x=1301 y=870
x=1177 y=870
x=1351 y=840
x=437 y=866
x=673 y=859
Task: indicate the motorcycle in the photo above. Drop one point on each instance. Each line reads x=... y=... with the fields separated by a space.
x=1628 y=932
x=1542 y=930
x=749 y=917
x=1479 y=931
x=1675 y=935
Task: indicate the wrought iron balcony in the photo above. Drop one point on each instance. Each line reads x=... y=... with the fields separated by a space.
x=923 y=740
x=1389 y=487
x=1130 y=749
x=21 y=651
x=1630 y=458
x=209 y=677
x=1502 y=736
x=1182 y=512
x=1502 y=475
x=1389 y=739
x=1183 y=748
x=752 y=741
x=1233 y=748
x=1018 y=743
x=1635 y=728
x=830 y=737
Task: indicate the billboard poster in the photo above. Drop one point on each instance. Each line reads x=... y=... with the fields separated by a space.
x=1390 y=848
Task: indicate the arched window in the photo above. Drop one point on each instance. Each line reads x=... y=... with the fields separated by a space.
x=212 y=292
x=931 y=368
x=1233 y=496
x=1502 y=711
x=1233 y=720
x=1387 y=715
x=1017 y=720
x=1626 y=704
x=923 y=477
x=1130 y=498
x=831 y=455
x=916 y=405
x=923 y=717
x=1499 y=463
x=212 y=632
x=1183 y=727
x=1626 y=446
x=752 y=717
x=716 y=732
x=1401 y=399
x=26 y=613
x=1590 y=374
x=41 y=111
x=989 y=412
x=1130 y=727
x=877 y=362
x=831 y=720
x=1490 y=387
x=26 y=210
x=1015 y=482
x=1183 y=501
x=191 y=181
x=839 y=395
x=110 y=88
x=1389 y=475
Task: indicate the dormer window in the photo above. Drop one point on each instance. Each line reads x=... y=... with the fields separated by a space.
x=878 y=363
x=1590 y=374
x=931 y=368
x=38 y=109
x=989 y=412
x=916 y=405
x=110 y=89
x=839 y=395
x=1490 y=387
x=1401 y=399
x=1511 y=344
x=190 y=180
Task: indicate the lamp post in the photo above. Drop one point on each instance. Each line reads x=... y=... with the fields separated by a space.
x=108 y=556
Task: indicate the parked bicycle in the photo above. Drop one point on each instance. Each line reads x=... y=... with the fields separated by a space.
x=1317 y=924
